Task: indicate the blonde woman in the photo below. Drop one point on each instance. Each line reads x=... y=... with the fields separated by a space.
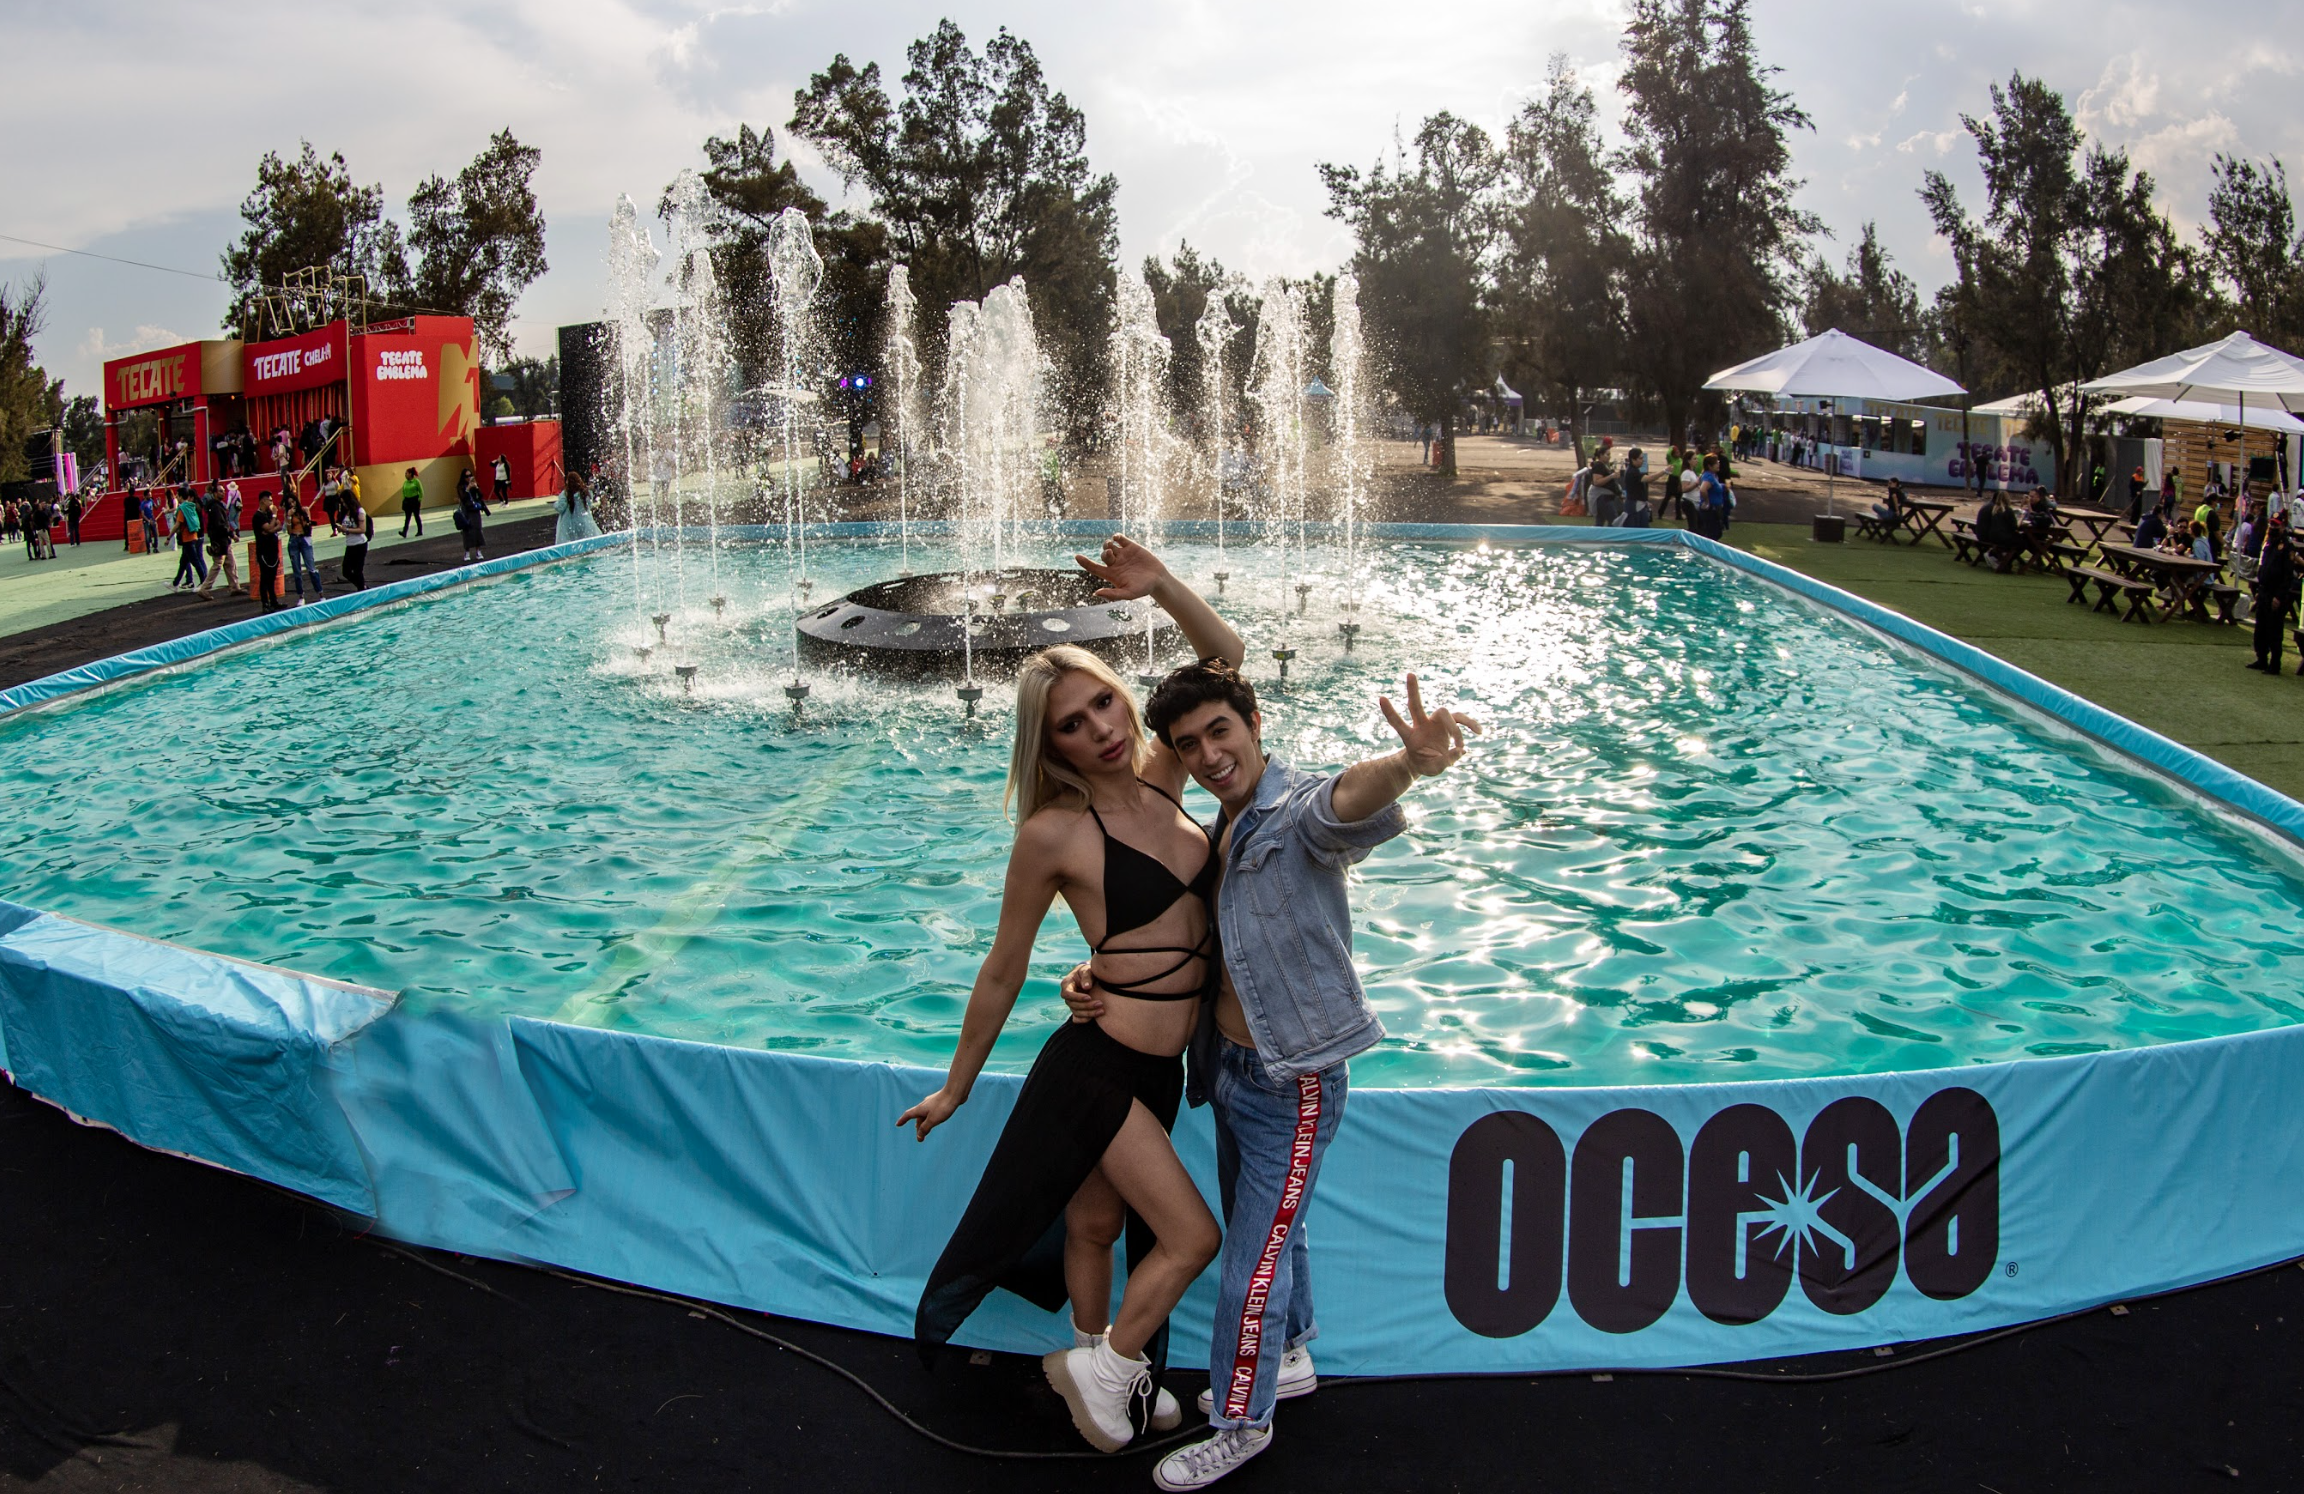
x=1086 y=1148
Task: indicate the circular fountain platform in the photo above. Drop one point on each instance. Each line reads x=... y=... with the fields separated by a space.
x=914 y=626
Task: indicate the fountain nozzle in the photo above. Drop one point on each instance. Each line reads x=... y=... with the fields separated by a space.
x=719 y=605
x=1303 y=596
x=969 y=694
x=642 y=651
x=687 y=673
x=806 y=588
x=660 y=619
x=1283 y=655
x=1221 y=578
x=1350 y=631
x=796 y=692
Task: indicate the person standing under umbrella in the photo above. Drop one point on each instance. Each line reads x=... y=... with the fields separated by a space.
x=2275 y=596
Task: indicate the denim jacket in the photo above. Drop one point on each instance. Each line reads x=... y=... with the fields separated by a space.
x=1286 y=927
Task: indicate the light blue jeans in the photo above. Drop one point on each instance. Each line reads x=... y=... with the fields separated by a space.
x=1270 y=1137
x=301 y=564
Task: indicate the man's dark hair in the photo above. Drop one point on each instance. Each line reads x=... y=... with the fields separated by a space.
x=1193 y=686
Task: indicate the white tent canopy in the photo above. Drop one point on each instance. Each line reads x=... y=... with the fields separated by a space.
x=1834 y=365
x=2236 y=368
x=2206 y=413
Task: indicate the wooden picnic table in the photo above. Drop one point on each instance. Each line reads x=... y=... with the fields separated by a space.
x=2185 y=578
x=1922 y=515
x=2096 y=520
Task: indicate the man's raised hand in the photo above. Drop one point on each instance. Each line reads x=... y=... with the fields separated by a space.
x=1433 y=741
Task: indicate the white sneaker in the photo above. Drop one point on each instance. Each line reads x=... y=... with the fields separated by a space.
x=1166 y=1415
x=1201 y=1464
x=1297 y=1377
x=1099 y=1386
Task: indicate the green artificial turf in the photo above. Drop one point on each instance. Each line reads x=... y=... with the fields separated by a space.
x=2185 y=680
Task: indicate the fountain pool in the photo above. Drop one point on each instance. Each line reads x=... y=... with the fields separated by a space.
x=1776 y=975
x=1715 y=830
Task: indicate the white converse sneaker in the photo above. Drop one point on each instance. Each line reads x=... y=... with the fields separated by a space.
x=1166 y=1415
x=1297 y=1377
x=1201 y=1464
x=1099 y=1386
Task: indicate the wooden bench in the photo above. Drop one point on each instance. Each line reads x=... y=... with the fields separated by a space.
x=2112 y=592
x=2227 y=597
x=1872 y=527
x=1965 y=545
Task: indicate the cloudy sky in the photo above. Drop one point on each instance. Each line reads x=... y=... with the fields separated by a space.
x=134 y=125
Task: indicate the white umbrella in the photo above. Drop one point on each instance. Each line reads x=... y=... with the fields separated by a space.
x=1833 y=365
x=2235 y=367
x=2205 y=413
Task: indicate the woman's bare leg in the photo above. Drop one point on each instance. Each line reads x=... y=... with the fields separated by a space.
x=1092 y=1224
x=1142 y=1168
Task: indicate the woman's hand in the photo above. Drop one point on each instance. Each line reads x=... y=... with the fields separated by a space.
x=1128 y=570
x=932 y=1112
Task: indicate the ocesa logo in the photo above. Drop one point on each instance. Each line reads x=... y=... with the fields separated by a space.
x=1736 y=1215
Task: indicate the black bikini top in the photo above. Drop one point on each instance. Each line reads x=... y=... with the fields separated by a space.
x=1138 y=888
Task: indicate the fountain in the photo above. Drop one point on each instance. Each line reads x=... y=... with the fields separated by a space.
x=1215 y=331
x=1276 y=386
x=902 y=406
x=632 y=260
x=795 y=270
x=989 y=613
x=1351 y=463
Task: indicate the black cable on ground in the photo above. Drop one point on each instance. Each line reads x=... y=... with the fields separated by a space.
x=1879 y=1365
x=707 y=1309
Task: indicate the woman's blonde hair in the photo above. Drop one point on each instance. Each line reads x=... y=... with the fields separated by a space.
x=1037 y=777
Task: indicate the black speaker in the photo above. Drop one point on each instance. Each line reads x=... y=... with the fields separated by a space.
x=587 y=394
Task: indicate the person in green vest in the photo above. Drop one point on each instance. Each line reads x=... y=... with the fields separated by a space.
x=411 y=505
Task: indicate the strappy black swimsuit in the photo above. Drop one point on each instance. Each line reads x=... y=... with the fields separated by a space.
x=1138 y=888
x=1071 y=1106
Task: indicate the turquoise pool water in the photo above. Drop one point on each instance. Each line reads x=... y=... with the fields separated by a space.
x=1714 y=831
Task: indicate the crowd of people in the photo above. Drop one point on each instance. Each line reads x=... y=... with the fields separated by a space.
x=1698 y=488
x=34 y=520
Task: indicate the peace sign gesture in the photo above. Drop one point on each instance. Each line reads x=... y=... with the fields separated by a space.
x=1433 y=741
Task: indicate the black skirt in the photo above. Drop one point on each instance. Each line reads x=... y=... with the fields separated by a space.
x=1012 y=1235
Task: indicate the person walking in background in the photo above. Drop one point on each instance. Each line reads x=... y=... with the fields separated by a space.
x=73 y=508
x=220 y=526
x=411 y=505
x=471 y=515
x=191 y=569
x=266 y=529
x=1711 y=518
x=301 y=562
x=502 y=472
x=358 y=529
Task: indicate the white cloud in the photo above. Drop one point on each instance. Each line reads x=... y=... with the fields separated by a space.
x=97 y=348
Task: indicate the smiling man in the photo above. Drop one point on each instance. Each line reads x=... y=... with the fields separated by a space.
x=1273 y=1049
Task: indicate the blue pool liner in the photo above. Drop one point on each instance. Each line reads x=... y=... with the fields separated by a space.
x=1453 y=1230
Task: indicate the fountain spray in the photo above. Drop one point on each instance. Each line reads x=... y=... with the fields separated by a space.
x=1348 y=362
x=1140 y=356
x=796 y=270
x=903 y=405
x=632 y=260
x=1276 y=385
x=1215 y=331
